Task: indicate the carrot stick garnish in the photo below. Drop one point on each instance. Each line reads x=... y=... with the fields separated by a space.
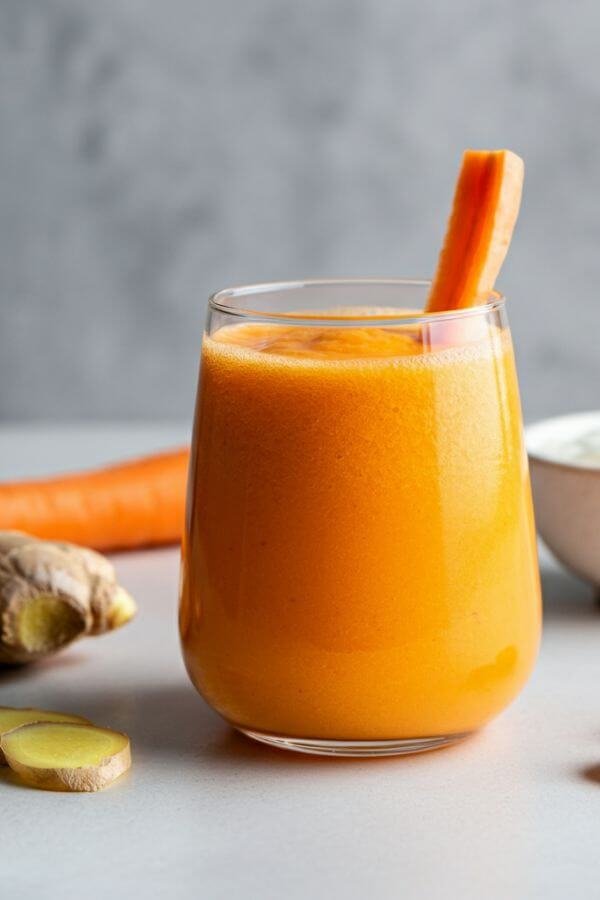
x=484 y=212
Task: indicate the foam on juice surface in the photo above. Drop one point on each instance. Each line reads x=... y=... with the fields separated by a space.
x=354 y=343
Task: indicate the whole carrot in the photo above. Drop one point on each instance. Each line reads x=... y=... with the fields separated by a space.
x=138 y=503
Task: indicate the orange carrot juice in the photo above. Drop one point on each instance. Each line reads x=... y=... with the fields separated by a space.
x=359 y=563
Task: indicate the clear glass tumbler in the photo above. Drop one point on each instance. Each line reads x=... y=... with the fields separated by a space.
x=359 y=570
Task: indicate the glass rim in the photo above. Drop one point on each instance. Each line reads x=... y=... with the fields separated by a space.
x=220 y=301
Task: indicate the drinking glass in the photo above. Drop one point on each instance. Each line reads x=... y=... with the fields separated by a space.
x=359 y=572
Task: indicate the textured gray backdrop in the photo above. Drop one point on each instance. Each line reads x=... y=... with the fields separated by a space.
x=154 y=150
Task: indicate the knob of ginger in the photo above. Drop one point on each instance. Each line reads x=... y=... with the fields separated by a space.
x=53 y=593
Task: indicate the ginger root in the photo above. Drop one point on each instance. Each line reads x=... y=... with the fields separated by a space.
x=53 y=593
x=12 y=718
x=61 y=756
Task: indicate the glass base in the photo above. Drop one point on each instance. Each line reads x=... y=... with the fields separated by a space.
x=318 y=747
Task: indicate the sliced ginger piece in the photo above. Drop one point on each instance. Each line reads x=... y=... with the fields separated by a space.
x=61 y=756
x=12 y=718
x=484 y=212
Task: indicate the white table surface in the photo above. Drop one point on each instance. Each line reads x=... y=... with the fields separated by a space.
x=205 y=813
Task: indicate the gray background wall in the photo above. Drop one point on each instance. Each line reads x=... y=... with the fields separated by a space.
x=154 y=150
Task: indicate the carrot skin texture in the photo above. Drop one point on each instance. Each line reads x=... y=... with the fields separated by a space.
x=138 y=503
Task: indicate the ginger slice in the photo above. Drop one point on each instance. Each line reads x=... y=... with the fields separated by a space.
x=53 y=593
x=11 y=717
x=484 y=212
x=61 y=756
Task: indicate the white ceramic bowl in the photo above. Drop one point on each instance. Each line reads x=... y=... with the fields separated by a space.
x=566 y=490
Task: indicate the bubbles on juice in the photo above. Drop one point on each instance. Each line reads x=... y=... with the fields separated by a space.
x=360 y=342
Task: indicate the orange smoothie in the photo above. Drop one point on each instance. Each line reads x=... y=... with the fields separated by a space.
x=359 y=560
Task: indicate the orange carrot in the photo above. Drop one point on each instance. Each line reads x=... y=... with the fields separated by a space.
x=138 y=503
x=484 y=213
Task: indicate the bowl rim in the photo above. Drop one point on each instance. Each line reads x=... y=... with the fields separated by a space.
x=536 y=454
